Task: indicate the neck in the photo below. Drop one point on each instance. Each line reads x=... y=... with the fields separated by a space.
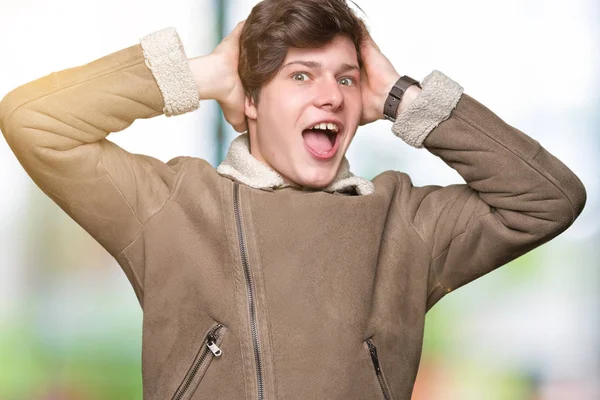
x=256 y=155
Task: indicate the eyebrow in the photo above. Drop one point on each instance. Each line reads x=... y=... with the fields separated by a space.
x=315 y=64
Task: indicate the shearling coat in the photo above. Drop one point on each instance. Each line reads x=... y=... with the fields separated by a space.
x=252 y=289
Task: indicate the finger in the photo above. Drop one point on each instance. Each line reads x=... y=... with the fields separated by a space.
x=239 y=125
x=237 y=31
x=236 y=119
x=369 y=41
x=235 y=34
x=240 y=128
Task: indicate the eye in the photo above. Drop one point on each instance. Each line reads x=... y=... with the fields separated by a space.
x=348 y=81
x=299 y=76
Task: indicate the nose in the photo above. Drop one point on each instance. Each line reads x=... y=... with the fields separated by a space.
x=329 y=95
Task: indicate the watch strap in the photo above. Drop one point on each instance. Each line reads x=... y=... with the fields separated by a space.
x=395 y=96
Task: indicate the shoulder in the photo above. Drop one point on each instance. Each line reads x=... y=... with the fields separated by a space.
x=406 y=192
x=393 y=180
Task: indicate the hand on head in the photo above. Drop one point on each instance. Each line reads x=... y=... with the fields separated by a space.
x=231 y=95
x=378 y=75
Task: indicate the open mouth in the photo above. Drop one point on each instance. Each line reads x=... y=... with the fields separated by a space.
x=322 y=139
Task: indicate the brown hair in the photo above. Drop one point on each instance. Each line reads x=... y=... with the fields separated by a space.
x=275 y=25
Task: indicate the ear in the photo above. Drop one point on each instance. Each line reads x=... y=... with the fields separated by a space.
x=250 y=108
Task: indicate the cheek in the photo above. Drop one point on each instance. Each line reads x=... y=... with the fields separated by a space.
x=288 y=110
x=354 y=103
x=356 y=98
x=283 y=103
x=294 y=99
x=278 y=122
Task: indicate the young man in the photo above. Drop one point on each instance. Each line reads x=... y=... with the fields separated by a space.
x=281 y=275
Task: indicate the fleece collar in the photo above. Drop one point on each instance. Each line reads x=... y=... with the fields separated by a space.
x=245 y=168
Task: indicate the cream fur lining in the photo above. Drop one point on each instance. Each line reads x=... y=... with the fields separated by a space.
x=242 y=166
x=165 y=56
x=433 y=105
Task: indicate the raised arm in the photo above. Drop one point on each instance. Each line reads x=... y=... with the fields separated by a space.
x=517 y=195
x=57 y=127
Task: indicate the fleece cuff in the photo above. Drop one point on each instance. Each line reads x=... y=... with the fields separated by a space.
x=433 y=105
x=165 y=56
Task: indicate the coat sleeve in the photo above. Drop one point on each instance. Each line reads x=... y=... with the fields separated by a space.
x=57 y=127
x=517 y=195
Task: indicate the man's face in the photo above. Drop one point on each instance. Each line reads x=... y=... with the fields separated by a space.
x=313 y=86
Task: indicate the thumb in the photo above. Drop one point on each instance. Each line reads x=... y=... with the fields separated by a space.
x=234 y=115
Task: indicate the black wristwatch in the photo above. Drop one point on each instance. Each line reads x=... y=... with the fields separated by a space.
x=393 y=99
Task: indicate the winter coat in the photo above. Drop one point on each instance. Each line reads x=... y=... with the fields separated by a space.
x=254 y=289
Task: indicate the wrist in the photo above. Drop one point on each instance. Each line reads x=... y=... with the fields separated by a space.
x=409 y=95
x=401 y=94
x=384 y=95
x=209 y=78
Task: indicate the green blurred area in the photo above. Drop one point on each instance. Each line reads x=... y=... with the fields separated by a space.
x=84 y=369
x=102 y=367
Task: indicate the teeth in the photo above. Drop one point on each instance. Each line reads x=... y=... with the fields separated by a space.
x=324 y=126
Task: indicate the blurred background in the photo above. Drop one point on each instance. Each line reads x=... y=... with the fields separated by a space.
x=70 y=325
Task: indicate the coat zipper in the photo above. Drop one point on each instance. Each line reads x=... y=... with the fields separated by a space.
x=210 y=342
x=249 y=291
x=373 y=351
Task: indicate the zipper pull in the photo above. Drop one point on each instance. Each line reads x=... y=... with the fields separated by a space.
x=374 y=357
x=213 y=346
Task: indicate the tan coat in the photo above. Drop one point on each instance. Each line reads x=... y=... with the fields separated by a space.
x=252 y=289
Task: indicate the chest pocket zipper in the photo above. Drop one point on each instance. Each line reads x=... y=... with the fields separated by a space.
x=382 y=384
x=209 y=350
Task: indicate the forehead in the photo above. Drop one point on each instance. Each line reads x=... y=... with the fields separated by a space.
x=339 y=51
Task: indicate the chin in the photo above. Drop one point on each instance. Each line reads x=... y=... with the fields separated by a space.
x=316 y=185
x=319 y=179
